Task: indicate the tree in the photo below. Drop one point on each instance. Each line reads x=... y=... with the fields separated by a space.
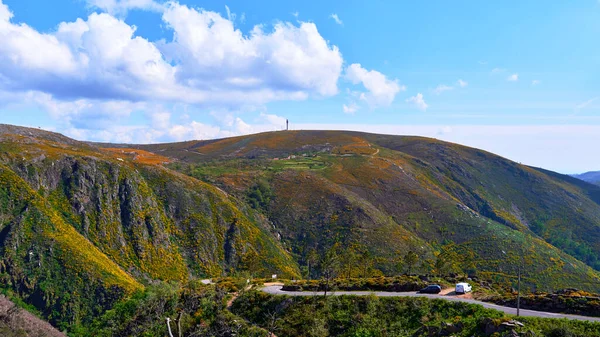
x=366 y=262
x=441 y=265
x=329 y=266
x=311 y=259
x=410 y=260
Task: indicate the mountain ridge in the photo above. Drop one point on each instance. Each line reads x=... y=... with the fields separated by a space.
x=590 y=177
x=275 y=203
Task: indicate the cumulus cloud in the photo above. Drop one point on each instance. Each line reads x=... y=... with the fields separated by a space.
x=418 y=102
x=292 y=60
x=535 y=82
x=513 y=78
x=274 y=120
x=462 y=83
x=83 y=113
x=381 y=90
x=337 y=19
x=160 y=120
x=350 y=108
x=207 y=62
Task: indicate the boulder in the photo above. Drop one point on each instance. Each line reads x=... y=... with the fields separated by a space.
x=490 y=327
x=449 y=328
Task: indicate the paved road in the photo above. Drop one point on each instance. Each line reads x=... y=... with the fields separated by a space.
x=276 y=290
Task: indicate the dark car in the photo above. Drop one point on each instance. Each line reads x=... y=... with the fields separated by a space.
x=431 y=289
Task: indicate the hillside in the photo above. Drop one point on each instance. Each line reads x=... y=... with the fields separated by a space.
x=591 y=177
x=83 y=227
x=16 y=322
x=380 y=196
x=87 y=225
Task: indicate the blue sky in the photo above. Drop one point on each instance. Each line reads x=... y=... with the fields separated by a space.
x=518 y=78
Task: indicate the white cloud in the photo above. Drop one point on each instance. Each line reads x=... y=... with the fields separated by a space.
x=295 y=14
x=535 y=82
x=441 y=88
x=208 y=61
x=84 y=113
x=586 y=103
x=121 y=7
x=193 y=131
x=160 y=120
x=5 y=13
x=418 y=101
x=513 y=78
x=296 y=58
x=498 y=70
x=350 y=109
x=274 y=120
x=230 y=16
x=381 y=90
x=337 y=19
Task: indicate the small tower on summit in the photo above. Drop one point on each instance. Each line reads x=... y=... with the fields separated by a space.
x=287 y=125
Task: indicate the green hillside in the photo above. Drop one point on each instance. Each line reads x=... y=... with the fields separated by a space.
x=380 y=196
x=84 y=226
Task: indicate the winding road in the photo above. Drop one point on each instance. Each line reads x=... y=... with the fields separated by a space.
x=276 y=290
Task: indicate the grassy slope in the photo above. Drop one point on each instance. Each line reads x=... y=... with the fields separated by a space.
x=80 y=228
x=392 y=193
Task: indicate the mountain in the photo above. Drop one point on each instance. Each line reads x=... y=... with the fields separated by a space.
x=85 y=225
x=81 y=227
x=385 y=195
x=591 y=177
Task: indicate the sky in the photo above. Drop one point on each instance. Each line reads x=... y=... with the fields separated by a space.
x=516 y=78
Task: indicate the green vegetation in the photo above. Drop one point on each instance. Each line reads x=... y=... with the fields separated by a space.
x=373 y=316
x=380 y=197
x=299 y=163
x=193 y=310
x=82 y=229
x=260 y=195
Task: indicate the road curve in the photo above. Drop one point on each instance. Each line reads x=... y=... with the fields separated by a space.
x=276 y=290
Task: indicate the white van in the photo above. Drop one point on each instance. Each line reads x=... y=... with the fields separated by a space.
x=462 y=288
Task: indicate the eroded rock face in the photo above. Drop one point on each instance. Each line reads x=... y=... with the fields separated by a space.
x=81 y=223
x=154 y=223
